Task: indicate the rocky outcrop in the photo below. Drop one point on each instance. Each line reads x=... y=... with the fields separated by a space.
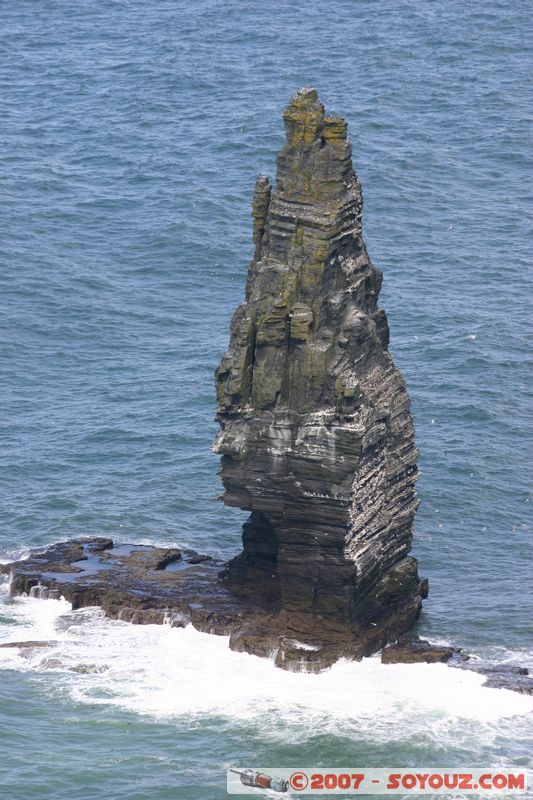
x=413 y=650
x=316 y=436
x=316 y=442
x=132 y=582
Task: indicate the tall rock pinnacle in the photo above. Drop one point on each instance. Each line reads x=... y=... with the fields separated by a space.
x=316 y=438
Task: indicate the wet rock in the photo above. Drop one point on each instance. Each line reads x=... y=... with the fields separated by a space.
x=80 y=669
x=52 y=663
x=88 y=669
x=125 y=581
x=140 y=584
x=517 y=679
x=73 y=620
x=412 y=650
x=29 y=644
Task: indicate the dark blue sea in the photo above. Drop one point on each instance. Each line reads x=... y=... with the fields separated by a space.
x=131 y=134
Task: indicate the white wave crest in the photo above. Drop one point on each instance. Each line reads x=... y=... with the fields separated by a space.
x=165 y=672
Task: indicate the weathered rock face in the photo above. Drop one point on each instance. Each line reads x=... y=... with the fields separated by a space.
x=316 y=436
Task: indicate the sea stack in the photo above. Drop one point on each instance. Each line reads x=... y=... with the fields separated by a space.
x=316 y=435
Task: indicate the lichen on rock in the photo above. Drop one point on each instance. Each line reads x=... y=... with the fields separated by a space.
x=316 y=435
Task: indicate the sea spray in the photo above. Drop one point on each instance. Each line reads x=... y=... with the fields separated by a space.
x=170 y=672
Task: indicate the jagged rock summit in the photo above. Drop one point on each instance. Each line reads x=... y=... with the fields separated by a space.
x=316 y=438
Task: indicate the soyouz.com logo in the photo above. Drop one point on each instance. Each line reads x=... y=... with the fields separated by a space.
x=490 y=781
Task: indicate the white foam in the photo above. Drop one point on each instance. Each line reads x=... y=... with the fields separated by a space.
x=165 y=672
x=21 y=554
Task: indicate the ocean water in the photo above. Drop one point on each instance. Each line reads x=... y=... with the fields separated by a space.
x=132 y=133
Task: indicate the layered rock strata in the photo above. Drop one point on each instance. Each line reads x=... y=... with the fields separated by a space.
x=316 y=436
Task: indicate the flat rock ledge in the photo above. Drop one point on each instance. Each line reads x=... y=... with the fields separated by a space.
x=143 y=585
x=154 y=585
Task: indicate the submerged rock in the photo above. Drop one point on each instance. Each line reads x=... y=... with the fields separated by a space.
x=514 y=677
x=517 y=679
x=316 y=436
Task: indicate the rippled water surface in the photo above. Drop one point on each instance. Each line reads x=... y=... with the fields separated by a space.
x=132 y=133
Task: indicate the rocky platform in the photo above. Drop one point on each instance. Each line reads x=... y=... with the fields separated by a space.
x=144 y=585
x=150 y=585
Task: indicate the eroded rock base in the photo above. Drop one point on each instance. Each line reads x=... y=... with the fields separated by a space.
x=150 y=585
x=142 y=584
